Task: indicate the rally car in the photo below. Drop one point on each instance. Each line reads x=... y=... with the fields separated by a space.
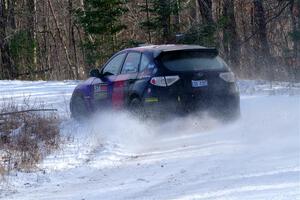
x=162 y=79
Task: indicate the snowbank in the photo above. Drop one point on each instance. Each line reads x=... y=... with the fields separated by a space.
x=115 y=156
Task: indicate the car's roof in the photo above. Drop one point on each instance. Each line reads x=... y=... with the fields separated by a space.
x=167 y=47
x=157 y=49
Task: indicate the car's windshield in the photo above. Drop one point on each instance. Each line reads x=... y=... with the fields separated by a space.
x=192 y=61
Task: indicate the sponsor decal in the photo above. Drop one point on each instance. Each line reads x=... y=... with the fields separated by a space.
x=100 y=91
x=151 y=100
x=101 y=95
x=103 y=87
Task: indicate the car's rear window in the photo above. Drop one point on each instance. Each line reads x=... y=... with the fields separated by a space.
x=192 y=61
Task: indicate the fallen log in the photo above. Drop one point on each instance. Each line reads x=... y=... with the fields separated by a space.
x=30 y=110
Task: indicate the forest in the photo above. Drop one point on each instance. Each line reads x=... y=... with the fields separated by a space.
x=65 y=39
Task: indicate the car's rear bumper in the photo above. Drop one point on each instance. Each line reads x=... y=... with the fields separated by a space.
x=218 y=105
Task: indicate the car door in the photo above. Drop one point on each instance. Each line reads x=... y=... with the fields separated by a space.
x=125 y=81
x=103 y=87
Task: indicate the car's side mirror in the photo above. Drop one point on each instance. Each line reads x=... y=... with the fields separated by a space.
x=107 y=74
x=95 y=73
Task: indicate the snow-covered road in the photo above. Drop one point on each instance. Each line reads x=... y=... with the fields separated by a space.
x=117 y=157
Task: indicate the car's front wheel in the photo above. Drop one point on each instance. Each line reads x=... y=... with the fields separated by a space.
x=78 y=107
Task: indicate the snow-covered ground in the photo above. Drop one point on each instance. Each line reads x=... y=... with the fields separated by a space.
x=115 y=156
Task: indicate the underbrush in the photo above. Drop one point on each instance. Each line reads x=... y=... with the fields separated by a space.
x=27 y=135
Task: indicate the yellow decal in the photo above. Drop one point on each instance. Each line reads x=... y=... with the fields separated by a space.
x=151 y=100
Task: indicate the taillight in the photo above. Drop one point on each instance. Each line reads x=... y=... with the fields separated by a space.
x=171 y=79
x=158 y=81
x=164 y=81
x=228 y=77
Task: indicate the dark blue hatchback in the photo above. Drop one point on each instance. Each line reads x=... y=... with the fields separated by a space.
x=161 y=79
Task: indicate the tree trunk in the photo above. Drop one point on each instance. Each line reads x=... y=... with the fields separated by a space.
x=72 y=42
x=294 y=60
x=194 y=14
x=62 y=40
x=11 y=14
x=231 y=39
x=205 y=7
x=295 y=10
x=7 y=71
x=31 y=29
x=260 y=23
x=148 y=21
x=264 y=55
x=177 y=17
x=163 y=4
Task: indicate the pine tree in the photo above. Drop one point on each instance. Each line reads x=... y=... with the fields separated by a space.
x=100 y=20
x=202 y=32
x=159 y=19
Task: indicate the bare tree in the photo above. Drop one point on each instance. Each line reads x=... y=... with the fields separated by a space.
x=6 y=62
x=295 y=10
x=205 y=7
x=264 y=59
x=231 y=39
x=258 y=38
x=62 y=40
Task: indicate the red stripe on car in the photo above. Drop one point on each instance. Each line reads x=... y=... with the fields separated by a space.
x=118 y=94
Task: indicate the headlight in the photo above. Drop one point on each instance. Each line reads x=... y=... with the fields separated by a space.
x=228 y=77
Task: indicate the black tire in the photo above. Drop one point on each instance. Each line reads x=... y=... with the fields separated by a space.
x=231 y=115
x=78 y=107
x=136 y=107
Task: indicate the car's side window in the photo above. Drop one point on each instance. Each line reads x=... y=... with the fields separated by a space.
x=113 y=67
x=131 y=64
x=145 y=61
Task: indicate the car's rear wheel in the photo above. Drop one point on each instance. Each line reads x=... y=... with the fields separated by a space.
x=78 y=107
x=136 y=107
x=230 y=114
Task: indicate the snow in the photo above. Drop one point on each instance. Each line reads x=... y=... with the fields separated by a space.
x=55 y=94
x=115 y=156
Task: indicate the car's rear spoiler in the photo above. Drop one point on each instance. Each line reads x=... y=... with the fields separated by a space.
x=211 y=51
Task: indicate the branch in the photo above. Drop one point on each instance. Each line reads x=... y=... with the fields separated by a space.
x=268 y=21
x=31 y=110
x=60 y=35
x=35 y=72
